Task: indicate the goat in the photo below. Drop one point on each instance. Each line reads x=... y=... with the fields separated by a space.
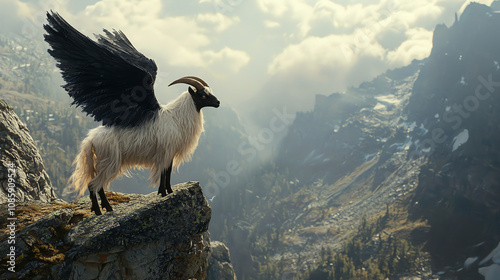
x=113 y=82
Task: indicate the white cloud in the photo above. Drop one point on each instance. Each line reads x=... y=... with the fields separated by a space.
x=276 y=8
x=341 y=16
x=313 y=53
x=183 y=41
x=304 y=47
x=336 y=37
x=292 y=10
x=341 y=45
x=217 y=22
x=328 y=58
x=271 y=24
x=418 y=46
x=231 y=60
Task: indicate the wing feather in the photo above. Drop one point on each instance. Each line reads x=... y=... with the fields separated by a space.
x=109 y=79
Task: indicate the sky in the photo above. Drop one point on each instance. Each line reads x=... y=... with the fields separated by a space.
x=257 y=55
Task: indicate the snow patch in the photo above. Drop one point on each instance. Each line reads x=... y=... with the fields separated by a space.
x=424 y=130
x=390 y=98
x=460 y=139
x=495 y=255
x=369 y=156
x=469 y=261
x=409 y=126
x=462 y=81
x=403 y=146
x=380 y=107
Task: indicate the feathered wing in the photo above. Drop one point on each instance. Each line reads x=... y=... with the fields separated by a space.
x=108 y=79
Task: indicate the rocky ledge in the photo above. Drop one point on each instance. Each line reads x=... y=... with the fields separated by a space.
x=145 y=237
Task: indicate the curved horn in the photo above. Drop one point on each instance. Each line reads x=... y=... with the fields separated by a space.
x=198 y=79
x=190 y=81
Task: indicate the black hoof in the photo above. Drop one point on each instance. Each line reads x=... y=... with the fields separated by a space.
x=96 y=210
x=163 y=193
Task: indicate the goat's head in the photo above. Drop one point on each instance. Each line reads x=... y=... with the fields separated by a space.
x=201 y=94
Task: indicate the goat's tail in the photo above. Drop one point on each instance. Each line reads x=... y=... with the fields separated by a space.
x=84 y=167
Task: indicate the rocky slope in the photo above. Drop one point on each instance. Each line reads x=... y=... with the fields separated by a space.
x=350 y=163
x=459 y=184
x=145 y=237
x=424 y=135
x=19 y=153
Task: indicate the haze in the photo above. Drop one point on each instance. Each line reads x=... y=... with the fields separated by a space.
x=256 y=55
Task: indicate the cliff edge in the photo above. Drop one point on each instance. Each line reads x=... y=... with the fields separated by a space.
x=145 y=237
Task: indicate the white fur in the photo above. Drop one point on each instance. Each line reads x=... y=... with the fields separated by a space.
x=108 y=152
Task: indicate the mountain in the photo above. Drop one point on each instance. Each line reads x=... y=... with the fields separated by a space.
x=395 y=178
x=22 y=171
x=459 y=190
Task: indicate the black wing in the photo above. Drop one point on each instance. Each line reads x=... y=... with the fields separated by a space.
x=109 y=79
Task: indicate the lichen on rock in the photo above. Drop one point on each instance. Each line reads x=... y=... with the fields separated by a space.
x=145 y=237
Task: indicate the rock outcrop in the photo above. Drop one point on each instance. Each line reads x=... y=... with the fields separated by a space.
x=19 y=151
x=458 y=185
x=145 y=237
x=219 y=264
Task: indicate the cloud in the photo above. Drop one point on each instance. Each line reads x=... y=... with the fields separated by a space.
x=339 y=36
x=338 y=16
x=271 y=24
x=377 y=30
x=223 y=6
x=417 y=46
x=231 y=60
x=287 y=11
x=314 y=53
x=217 y=22
x=181 y=41
x=293 y=48
x=341 y=45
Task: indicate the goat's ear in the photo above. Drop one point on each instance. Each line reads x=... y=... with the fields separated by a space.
x=191 y=91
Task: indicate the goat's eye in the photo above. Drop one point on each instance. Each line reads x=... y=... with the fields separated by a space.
x=203 y=97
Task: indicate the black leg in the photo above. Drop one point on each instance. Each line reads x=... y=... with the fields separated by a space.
x=165 y=182
x=95 y=204
x=167 y=174
x=161 y=189
x=104 y=201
